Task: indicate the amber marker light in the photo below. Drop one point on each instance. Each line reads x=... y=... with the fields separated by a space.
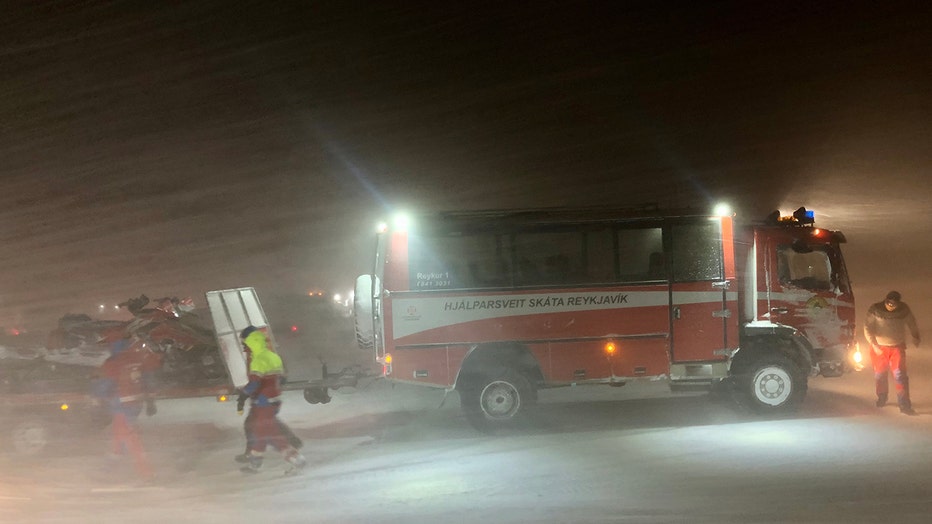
x=222 y=398
x=387 y=364
x=857 y=357
x=64 y=407
x=610 y=348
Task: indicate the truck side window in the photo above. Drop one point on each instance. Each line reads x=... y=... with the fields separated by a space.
x=549 y=258
x=809 y=270
x=457 y=261
x=640 y=254
x=696 y=252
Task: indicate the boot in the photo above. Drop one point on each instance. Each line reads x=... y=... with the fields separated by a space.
x=253 y=464
x=296 y=462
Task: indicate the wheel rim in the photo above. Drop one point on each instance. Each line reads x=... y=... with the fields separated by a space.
x=500 y=400
x=772 y=385
x=29 y=438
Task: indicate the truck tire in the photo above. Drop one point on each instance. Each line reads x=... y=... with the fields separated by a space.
x=498 y=400
x=772 y=385
x=362 y=312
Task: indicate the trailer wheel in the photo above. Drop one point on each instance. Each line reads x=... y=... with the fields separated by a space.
x=316 y=395
x=497 y=400
x=773 y=385
x=31 y=436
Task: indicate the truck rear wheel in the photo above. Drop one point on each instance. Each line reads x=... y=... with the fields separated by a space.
x=497 y=400
x=773 y=385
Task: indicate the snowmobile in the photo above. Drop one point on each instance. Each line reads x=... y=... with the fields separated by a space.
x=189 y=350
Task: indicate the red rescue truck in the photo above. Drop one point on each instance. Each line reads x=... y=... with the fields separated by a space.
x=498 y=304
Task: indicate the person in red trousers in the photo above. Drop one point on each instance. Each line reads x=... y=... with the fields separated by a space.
x=125 y=385
x=887 y=324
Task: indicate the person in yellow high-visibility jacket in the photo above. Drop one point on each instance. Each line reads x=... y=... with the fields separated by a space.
x=264 y=392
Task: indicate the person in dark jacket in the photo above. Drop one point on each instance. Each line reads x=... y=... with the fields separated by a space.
x=264 y=392
x=886 y=327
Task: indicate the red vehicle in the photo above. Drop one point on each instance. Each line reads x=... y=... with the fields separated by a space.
x=498 y=304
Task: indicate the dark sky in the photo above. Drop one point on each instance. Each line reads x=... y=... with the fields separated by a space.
x=172 y=148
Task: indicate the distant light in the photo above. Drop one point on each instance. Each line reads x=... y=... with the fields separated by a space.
x=610 y=348
x=723 y=210
x=381 y=227
x=116 y=307
x=101 y=306
x=294 y=329
x=320 y=293
x=337 y=297
x=64 y=407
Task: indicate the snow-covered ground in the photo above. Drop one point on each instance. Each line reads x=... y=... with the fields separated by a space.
x=380 y=453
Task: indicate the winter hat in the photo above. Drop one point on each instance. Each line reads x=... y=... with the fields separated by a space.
x=247 y=331
x=893 y=296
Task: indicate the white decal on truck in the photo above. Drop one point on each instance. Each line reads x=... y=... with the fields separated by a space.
x=415 y=315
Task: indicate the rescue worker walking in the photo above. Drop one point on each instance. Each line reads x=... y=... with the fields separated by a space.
x=886 y=328
x=125 y=385
x=264 y=391
x=248 y=424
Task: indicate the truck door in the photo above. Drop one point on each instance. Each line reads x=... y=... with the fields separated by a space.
x=809 y=289
x=703 y=307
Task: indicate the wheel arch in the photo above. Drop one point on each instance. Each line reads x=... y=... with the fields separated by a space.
x=757 y=341
x=483 y=359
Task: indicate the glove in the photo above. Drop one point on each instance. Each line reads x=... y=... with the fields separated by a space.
x=150 y=408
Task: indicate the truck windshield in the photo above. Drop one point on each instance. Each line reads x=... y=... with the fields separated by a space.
x=808 y=270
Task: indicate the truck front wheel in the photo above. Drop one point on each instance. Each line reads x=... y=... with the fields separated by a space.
x=772 y=385
x=497 y=400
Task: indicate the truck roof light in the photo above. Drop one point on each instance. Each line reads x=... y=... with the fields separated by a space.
x=800 y=217
x=804 y=216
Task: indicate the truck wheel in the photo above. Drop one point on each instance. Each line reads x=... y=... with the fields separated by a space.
x=497 y=400
x=774 y=385
x=31 y=436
